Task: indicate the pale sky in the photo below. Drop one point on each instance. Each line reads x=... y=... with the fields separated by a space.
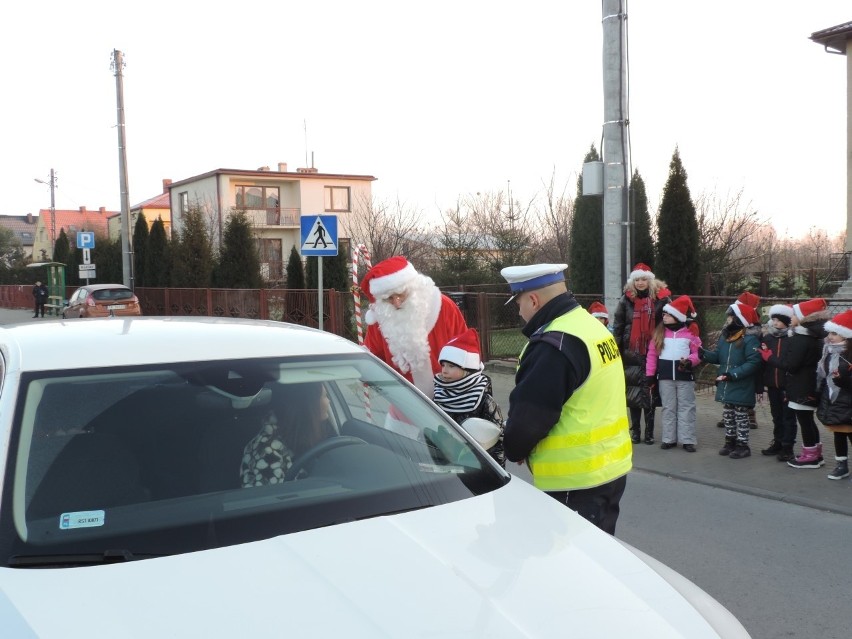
x=437 y=100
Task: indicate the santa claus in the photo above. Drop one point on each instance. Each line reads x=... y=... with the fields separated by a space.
x=409 y=320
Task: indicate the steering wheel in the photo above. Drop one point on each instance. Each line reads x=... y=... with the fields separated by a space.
x=317 y=451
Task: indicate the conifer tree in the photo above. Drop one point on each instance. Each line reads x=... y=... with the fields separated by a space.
x=61 y=248
x=585 y=269
x=192 y=259
x=238 y=265
x=157 y=266
x=140 y=246
x=107 y=256
x=295 y=270
x=678 y=260
x=643 y=242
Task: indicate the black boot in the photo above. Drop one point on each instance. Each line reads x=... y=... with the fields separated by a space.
x=775 y=447
x=786 y=454
x=649 y=427
x=741 y=450
x=730 y=445
x=634 y=434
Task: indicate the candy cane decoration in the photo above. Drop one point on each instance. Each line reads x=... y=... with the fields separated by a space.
x=360 y=251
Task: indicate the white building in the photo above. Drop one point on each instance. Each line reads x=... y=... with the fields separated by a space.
x=274 y=202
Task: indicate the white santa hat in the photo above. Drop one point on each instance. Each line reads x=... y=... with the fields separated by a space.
x=840 y=324
x=641 y=270
x=463 y=351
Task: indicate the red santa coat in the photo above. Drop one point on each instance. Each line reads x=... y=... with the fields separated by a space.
x=449 y=323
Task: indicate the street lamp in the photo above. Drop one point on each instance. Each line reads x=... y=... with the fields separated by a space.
x=52 y=185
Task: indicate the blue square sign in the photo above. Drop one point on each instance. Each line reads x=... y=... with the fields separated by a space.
x=319 y=235
x=85 y=240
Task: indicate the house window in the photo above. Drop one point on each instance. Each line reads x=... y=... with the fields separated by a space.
x=183 y=199
x=258 y=197
x=337 y=198
x=271 y=259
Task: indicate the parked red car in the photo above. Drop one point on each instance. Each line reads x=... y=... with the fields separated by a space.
x=102 y=300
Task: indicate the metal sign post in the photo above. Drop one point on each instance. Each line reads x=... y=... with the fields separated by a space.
x=319 y=238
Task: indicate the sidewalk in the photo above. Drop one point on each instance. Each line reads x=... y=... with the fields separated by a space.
x=756 y=475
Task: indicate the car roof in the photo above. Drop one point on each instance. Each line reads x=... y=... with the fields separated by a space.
x=82 y=343
x=100 y=287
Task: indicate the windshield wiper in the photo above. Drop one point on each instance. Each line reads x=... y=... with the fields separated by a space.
x=82 y=559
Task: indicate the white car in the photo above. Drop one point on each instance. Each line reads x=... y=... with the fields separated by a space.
x=143 y=496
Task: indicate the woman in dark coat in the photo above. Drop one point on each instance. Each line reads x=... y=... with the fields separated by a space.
x=636 y=316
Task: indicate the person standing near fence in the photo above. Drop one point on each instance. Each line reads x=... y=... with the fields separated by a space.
x=566 y=415
x=799 y=362
x=834 y=378
x=40 y=294
x=776 y=339
x=737 y=355
x=636 y=317
x=672 y=355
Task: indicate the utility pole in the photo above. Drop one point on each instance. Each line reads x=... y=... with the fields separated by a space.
x=616 y=216
x=52 y=210
x=126 y=248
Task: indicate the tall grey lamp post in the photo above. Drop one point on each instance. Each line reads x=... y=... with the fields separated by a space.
x=52 y=185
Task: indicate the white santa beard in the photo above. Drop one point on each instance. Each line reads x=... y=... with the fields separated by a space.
x=406 y=329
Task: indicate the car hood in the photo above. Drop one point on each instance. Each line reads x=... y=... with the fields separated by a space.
x=510 y=563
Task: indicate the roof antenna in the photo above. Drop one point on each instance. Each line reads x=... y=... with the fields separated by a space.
x=305 y=123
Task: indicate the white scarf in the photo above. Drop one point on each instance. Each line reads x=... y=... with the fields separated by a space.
x=828 y=366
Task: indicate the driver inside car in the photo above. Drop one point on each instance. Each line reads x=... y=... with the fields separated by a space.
x=297 y=422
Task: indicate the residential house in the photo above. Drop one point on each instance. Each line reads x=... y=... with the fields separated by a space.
x=153 y=208
x=838 y=40
x=24 y=228
x=50 y=225
x=274 y=202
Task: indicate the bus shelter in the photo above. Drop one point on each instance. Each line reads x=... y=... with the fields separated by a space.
x=54 y=277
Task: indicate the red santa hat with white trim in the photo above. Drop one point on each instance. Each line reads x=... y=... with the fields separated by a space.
x=386 y=277
x=641 y=270
x=840 y=324
x=803 y=309
x=463 y=351
x=680 y=309
x=749 y=298
x=745 y=313
x=598 y=310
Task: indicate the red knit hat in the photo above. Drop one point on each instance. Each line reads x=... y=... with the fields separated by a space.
x=680 y=309
x=750 y=299
x=803 y=309
x=599 y=310
x=746 y=314
x=386 y=277
x=641 y=270
x=840 y=324
x=463 y=351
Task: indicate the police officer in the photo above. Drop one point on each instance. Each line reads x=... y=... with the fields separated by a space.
x=567 y=416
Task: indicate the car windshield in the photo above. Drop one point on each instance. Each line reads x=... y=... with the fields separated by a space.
x=108 y=294
x=147 y=461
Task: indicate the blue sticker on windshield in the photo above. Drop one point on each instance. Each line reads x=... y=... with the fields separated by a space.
x=82 y=519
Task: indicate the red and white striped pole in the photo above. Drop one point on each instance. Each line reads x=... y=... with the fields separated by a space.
x=360 y=251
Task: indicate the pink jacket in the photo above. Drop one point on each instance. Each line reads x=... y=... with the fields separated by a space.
x=677 y=345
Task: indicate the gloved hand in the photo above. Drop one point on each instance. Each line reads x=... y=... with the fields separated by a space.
x=651 y=381
x=684 y=364
x=765 y=353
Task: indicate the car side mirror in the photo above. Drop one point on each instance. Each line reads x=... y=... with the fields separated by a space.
x=485 y=433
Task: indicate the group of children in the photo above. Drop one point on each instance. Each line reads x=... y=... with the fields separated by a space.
x=802 y=359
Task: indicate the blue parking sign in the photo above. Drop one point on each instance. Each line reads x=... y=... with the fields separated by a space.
x=85 y=240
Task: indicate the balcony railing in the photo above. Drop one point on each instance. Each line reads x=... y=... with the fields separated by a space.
x=274 y=216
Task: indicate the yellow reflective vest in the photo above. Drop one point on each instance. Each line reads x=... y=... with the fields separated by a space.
x=590 y=444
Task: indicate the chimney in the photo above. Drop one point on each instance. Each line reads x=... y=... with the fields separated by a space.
x=263 y=168
x=82 y=209
x=166 y=184
x=102 y=210
x=282 y=167
x=29 y=218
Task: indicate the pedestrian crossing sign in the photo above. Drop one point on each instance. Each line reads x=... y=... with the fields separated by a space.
x=319 y=235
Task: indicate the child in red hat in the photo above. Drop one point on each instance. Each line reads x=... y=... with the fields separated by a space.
x=799 y=362
x=834 y=378
x=672 y=355
x=599 y=310
x=462 y=390
x=776 y=339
